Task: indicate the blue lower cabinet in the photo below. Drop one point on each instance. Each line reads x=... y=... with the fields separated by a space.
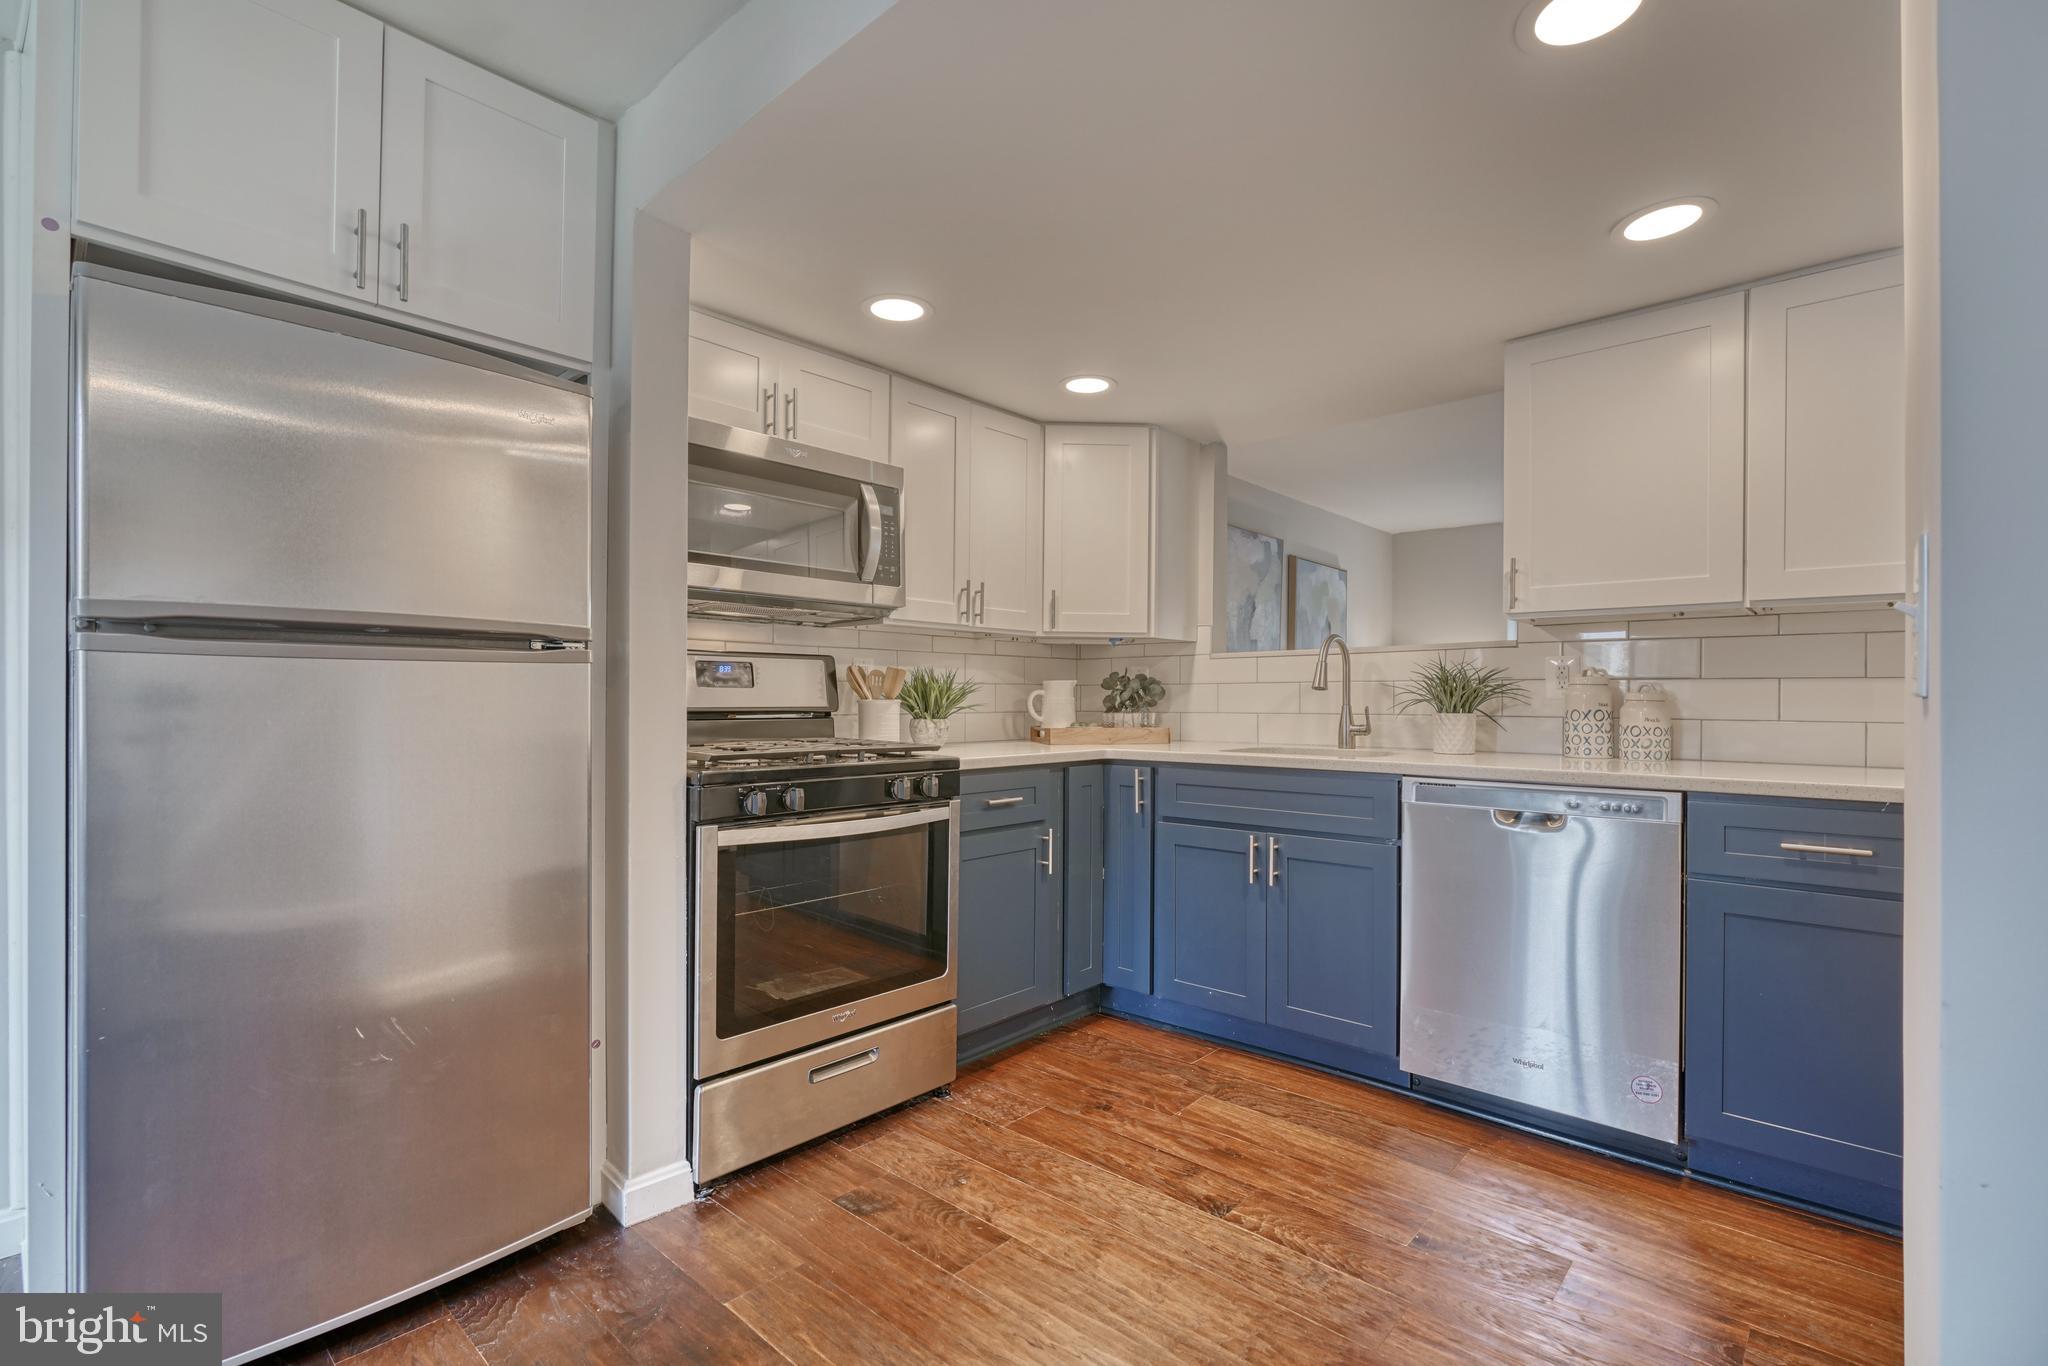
x=1209 y=919
x=1127 y=883
x=1083 y=867
x=1009 y=928
x=1794 y=1043
x=1333 y=936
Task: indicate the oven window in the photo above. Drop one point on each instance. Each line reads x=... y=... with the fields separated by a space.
x=811 y=925
x=753 y=513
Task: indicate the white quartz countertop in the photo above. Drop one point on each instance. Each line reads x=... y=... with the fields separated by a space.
x=1681 y=775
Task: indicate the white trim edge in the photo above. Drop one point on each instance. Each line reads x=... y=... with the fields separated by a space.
x=13 y=1231
x=637 y=1199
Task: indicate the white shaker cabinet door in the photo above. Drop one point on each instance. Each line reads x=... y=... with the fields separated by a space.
x=1098 y=530
x=490 y=203
x=1624 y=464
x=242 y=131
x=734 y=376
x=1003 y=521
x=928 y=442
x=1827 y=435
x=833 y=402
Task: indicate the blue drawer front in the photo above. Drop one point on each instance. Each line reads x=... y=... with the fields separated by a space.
x=996 y=797
x=1360 y=805
x=1745 y=838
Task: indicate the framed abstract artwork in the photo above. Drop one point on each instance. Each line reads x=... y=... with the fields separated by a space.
x=1255 y=592
x=1318 y=602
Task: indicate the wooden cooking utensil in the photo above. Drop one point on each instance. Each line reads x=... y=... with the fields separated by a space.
x=893 y=681
x=858 y=681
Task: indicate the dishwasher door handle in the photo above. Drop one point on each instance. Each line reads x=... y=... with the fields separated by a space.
x=1539 y=821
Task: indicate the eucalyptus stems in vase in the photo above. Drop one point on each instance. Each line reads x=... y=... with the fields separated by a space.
x=1131 y=698
x=1459 y=693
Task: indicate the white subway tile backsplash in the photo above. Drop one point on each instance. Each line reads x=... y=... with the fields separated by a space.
x=811 y=639
x=1524 y=735
x=719 y=635
x=1288 y=668
x=1784 y=742
x=1783 y=656
x=1222 y=669
x=1703 y=626
x=1215 y=727
x=872 y=638
x=1884 y=656
x=1188 y=697
x=1577 y=630
x=1833 y=623
x=1258 y=698
x=1297 y=730
x=1723 y=699
x=1885 y=745
x=1843 y=699
x=1641 y=658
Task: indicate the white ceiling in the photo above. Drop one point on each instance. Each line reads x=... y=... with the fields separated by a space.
x=598 y=55
x=1278 y=218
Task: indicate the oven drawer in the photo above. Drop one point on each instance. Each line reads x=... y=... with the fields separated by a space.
x=768 y=1109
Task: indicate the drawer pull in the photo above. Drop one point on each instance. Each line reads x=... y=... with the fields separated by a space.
x=1004 y=801
x=843 y=1066
x=1793 y=847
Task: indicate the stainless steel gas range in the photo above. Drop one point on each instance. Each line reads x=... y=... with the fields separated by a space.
x=824 y=886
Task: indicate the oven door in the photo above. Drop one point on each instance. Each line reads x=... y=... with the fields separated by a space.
x=768 y=518
x=808 y=929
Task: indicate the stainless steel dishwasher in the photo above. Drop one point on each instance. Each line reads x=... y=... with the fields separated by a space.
x=1540 y=948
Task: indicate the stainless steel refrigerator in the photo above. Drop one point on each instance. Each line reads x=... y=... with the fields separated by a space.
x=330 y=739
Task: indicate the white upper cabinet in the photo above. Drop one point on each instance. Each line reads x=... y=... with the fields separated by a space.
x=1624 y=463
x=302 y=142
x=1098 y=530
x=928 y=442
x=1003 y=520
x=762 y=382
x=241 y=131
x=489 y=202
x=1827 y=450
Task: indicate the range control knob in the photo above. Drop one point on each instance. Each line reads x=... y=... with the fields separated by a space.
x=1572 y=803
x=899 y=789
x=792 y=799
x=928 y=785
x=1632 y=808
x=754 y=803
x=1607 y=806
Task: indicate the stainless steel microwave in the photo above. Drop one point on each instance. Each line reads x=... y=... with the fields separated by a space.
x=781 y=531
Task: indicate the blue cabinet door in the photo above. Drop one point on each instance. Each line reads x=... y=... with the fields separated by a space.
x=1127 y=889
x=1009 y=929
x=1209 y=918
x=1085 y=874
x=1333 y=959
x=1794 y=1044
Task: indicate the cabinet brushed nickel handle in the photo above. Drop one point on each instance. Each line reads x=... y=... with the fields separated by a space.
x=768 y=410
x=1047 y=864
x=844 y=1065
x=966 y=591
x=405 y=263
x=1794 y=847
x=1251 y=860
x=1138 y=793
x=1052 y=612
x=980 y=612
x=1272 y=860
x=1004 y=801
x=789 y=414
x=362 y=248
x=1511 y=583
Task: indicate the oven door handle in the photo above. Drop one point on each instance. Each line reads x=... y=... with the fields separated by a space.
x=832 y=827
x=871 y=513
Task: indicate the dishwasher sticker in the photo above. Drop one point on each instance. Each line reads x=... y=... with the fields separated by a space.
x=1648 y=1090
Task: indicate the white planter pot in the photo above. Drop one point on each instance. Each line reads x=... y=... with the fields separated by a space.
x=923 y=732
x=1456 y=732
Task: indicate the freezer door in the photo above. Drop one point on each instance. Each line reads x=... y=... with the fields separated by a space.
x=332 y=1009
x=236 y=457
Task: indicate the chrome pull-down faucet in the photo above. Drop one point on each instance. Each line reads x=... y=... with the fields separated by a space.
x=1347 y=733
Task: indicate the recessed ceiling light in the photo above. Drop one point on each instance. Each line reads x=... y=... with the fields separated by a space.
x=898 y=308
x=1090 y=384
x=1662 y=220
x=737 y=509
x=1567 y=23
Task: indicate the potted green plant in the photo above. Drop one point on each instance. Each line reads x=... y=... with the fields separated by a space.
x=1132 y=698
x=931 y=699
x=1459 y=694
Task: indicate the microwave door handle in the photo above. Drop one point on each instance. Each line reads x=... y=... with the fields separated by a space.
x=871 y=512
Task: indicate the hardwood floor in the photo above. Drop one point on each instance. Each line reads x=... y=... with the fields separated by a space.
x=1114 y=1193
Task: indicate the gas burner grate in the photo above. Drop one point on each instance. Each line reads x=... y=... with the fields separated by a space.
x=740 y=754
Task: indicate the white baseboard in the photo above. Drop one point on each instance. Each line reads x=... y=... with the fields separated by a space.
x=13 y=1231
x=636 y=1199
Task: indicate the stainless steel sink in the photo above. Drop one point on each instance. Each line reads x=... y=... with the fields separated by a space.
x=1319 y=751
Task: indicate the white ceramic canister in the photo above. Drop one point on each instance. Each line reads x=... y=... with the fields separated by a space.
x=1644 y=733
x=1058 y=698
x=881 y=719
x=1589 y=716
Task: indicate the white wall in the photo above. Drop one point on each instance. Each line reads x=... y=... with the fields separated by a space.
x=1447 y=586
x=1977 y=1022
x=1365 y=553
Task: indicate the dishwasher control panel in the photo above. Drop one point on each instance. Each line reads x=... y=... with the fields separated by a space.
x=1647 y=806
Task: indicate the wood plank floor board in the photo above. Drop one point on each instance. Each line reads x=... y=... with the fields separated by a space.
x=1113 y=1193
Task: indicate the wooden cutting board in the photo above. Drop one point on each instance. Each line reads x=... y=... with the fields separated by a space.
x=1103 y=735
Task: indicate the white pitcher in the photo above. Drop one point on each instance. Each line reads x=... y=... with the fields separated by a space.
x=1058 y=695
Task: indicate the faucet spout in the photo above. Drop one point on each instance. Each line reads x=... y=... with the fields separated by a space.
x=1347 y=731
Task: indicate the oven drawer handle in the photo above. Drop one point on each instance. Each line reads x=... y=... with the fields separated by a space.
x=844 y=1065
x=826 y=827
x=1796 y=847
x=1004 y=801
